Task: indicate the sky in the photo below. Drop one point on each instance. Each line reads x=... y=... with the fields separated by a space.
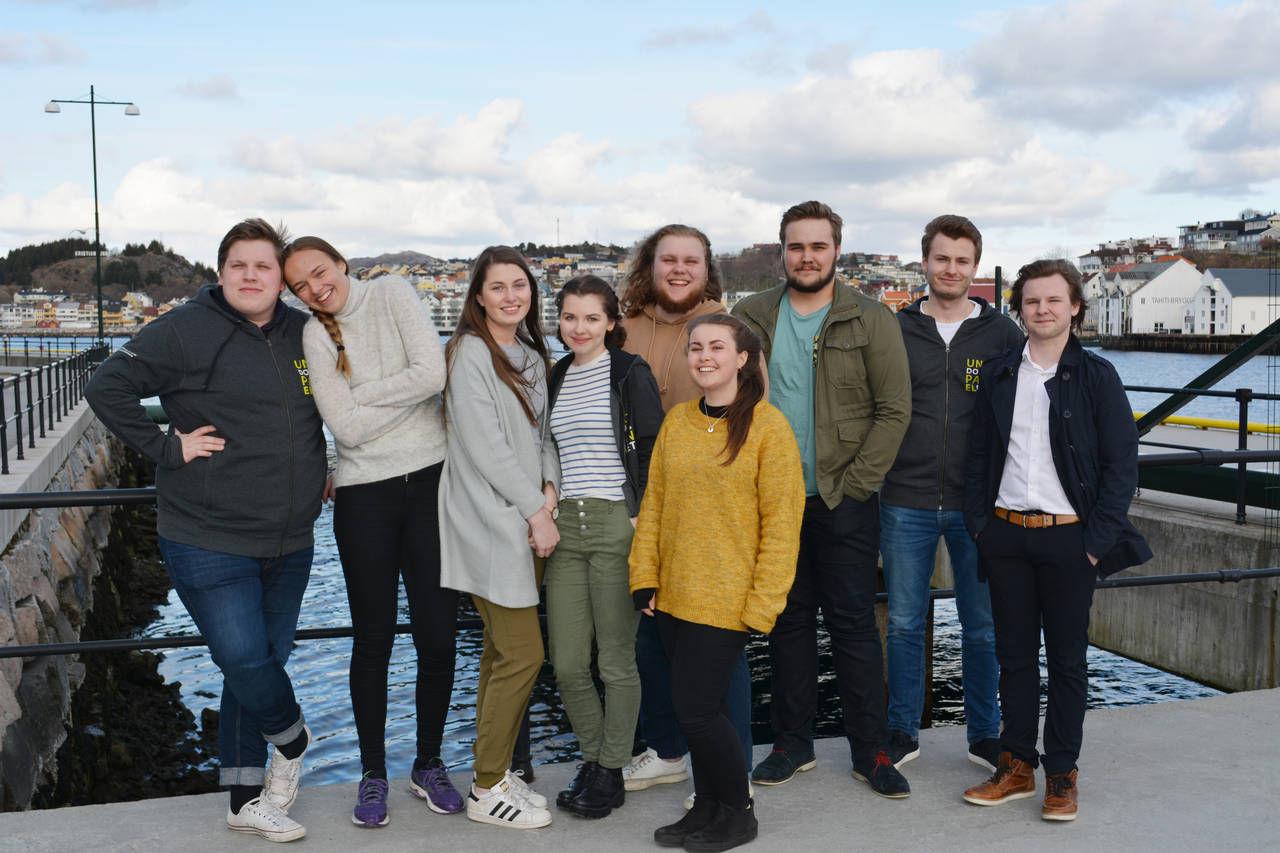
x=444 y=127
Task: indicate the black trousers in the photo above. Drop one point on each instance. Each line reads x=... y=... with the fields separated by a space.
x=385 y=531
x=836 y=572
x=702 y=659
x=1040 y=578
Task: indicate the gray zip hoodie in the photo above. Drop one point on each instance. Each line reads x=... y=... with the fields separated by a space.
x=260 y=495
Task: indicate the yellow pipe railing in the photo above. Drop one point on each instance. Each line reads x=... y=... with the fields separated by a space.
x=1216 y=423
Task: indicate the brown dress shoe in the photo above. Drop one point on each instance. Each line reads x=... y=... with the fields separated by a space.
x=1060 y=796
x=1014 y=779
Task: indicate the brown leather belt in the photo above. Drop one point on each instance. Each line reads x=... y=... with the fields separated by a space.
x=1035 y=519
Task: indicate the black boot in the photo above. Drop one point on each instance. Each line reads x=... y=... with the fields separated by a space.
x=586 y=770
x=704 y=811
x=730 y=828
x=602 y=794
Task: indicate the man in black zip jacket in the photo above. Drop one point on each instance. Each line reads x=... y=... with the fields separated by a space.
x=239 y=476
x=948 y=335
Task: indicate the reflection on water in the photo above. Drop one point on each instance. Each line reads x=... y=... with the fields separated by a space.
x=319 y=667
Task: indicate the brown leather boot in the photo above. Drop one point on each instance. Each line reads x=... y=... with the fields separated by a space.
x=1014 y=779
x=1060 y=796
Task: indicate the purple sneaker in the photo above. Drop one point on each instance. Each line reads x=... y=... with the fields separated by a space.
x=371 y=803
x=432 y=784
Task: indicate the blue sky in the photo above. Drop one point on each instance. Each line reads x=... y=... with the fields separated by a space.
x=445 y=127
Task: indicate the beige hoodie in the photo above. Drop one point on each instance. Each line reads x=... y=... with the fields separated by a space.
x=663 y=345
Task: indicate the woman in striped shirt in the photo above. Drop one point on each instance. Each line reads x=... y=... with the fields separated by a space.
x=605 y=415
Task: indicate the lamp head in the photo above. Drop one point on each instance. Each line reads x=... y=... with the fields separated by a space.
x=51 y=107
x=132 y=110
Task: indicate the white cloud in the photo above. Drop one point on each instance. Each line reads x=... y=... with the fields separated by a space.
x=757 y=24
x=218 y=87
x=1235 y=147
x=1104 y=63
x=38 y=49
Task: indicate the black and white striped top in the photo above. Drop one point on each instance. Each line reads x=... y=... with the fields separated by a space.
x=583 y=428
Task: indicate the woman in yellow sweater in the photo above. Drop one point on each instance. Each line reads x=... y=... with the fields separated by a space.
x=713 y=557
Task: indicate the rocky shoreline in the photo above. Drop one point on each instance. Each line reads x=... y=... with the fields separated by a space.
x=130 y=735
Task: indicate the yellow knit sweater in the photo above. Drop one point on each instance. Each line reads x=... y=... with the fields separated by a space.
x=720 y=543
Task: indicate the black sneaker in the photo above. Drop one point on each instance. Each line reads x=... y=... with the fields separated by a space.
x=523 y=769
x=704 y=811
x=902 y=748
x=883 y=777
x=731 y=828
x=779 y=766
x=985 y=753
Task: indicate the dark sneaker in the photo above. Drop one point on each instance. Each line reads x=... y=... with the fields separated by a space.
x=432 y=784
x=1060 y=796
x=883 y=777
x=1014 y=779
x=902 y=748
x=704 y=811
x=522 y=769
x=779 y=766
x=371 y=803
x=730 y=828
x=580 y=782
x=985 y=753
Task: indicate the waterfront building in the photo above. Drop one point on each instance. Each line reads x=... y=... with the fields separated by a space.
x=1232 y=302
x=1151 y=297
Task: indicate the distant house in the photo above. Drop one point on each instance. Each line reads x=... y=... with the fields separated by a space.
x=1135 y=250
x=1146 y=298
x=1233 y=302
x=1231 y=235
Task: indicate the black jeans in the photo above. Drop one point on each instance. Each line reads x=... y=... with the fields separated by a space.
x=702 y=659
x=388 y=530
x=1040 y=577
x=836 y=572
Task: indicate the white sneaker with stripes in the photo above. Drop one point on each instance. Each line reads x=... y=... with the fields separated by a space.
x=506 y=806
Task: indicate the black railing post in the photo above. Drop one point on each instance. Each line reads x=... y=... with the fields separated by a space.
x=31 y=415
x=4 y=431
x=60 y=395
x=17 y=414
x=40 y=398
x=1243 y=396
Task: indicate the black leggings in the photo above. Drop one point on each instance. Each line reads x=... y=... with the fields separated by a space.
x=702 y=658
x=387 y=530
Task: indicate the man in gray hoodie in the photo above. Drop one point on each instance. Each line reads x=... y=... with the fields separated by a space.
x=239 y=476
x=948 y=335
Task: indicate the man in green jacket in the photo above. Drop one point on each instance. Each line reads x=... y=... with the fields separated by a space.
x=838 y=371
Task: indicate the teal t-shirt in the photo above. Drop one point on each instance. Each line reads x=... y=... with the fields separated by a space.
x=792 y=368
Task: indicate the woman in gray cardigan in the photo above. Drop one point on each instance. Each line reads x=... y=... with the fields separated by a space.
x=497 y=497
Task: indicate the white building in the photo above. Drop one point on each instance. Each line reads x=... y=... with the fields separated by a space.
x=1117 y=305
x=1233 y=302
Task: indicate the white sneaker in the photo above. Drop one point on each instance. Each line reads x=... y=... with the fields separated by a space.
x=647 y=770
x=266 y=820
x=522 y=788
x=280 y=788
x=504 y=806
x=688 y=801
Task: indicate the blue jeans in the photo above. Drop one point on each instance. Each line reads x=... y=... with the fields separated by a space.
x=658 y=723
x=908 y=541
x=247 y=610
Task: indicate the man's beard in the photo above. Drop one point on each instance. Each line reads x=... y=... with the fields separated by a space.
x=682 y=306
x=812 y=288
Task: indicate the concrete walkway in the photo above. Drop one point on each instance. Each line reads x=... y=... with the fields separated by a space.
x=1193 y=775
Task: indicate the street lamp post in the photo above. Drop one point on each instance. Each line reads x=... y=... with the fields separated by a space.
x=130 y=109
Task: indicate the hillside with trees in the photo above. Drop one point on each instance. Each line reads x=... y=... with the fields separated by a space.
x=151 y=267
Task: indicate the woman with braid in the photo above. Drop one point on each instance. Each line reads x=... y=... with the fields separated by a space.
x=377 y=370
x=713 y=557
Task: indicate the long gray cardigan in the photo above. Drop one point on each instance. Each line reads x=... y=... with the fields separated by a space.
x=492 y=481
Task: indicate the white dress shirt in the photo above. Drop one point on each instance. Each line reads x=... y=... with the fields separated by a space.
x=1030 y=480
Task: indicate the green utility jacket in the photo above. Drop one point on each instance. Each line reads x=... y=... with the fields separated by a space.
x=862 y=388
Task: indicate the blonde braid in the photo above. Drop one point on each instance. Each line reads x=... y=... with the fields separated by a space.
x=331 y=326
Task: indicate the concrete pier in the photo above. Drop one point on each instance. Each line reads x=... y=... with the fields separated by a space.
x=1193 y=775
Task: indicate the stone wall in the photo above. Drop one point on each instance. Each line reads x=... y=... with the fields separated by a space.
x=46 y=589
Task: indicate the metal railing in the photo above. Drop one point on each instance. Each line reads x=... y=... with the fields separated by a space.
x=28 y=350
x=1240 y=457
x=41 y=396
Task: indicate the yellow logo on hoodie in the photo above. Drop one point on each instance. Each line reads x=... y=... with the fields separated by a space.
x=300 y=364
